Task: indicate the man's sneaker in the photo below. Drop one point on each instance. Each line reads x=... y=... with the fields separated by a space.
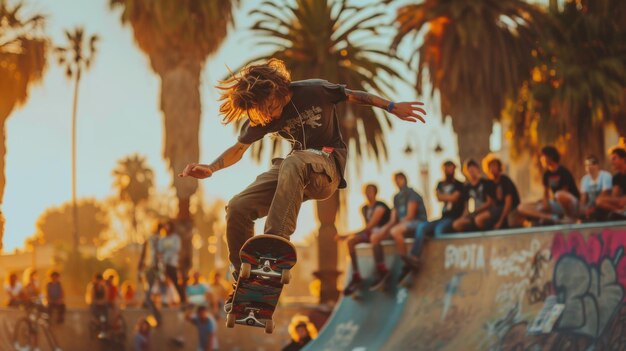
x=354 y=285
x=380 y=281
x=411 y=261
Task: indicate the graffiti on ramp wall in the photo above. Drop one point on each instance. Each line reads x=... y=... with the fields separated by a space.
x=550 y=290
x=589 y=281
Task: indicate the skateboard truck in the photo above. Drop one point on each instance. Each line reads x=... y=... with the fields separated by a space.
x=251 y=320
x=265 y=269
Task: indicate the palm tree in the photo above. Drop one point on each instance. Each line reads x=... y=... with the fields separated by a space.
x=578 y=82
x=178 y=36
x=328 y=39
x=476 y=53
x=76 y=57
x=134 y=181
x=22 y=64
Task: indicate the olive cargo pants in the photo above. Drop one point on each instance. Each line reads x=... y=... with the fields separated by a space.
x=278 y=194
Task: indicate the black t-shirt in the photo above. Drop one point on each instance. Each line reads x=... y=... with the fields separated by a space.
x=451 y=210
x=619 y=180
x=504 y=188
x=297 y=345
x=308 y=121
x=368 y=212
x=480 y=192
x=561 y=179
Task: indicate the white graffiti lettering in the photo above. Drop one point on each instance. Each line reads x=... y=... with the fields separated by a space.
x=518 y=263
x=465 y=257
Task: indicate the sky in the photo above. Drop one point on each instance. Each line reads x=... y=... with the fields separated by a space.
x=118 y=115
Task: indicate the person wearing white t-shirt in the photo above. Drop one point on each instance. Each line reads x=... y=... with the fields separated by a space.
x=595 y=183
x=13 y=289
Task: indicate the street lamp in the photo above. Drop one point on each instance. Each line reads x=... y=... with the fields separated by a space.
x=431 y=146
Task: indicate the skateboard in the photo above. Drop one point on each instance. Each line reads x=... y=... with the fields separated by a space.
x=265 y=268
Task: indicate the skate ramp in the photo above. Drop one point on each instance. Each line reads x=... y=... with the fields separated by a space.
x=487 y=291
x=365 y=321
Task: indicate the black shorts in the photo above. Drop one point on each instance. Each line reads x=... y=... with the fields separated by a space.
x=494 y=215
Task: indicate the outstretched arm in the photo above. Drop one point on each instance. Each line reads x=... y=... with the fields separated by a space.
x=228 y=158
x=408 y=111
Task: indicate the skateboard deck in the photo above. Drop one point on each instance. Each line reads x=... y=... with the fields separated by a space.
x=266 y=264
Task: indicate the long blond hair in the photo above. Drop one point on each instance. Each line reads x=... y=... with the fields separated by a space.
x=250 y=91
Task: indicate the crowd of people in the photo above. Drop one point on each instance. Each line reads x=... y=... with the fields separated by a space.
x=483 y=203
x=28 y=293
x=160 y=287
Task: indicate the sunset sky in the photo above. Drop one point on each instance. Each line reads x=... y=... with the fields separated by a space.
x=118 y=115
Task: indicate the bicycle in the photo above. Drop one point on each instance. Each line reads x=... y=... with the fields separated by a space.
x=25 y=334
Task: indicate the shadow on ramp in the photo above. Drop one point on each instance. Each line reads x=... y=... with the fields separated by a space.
x=364 y=322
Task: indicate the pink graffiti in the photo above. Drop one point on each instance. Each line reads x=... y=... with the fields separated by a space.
x=609 y=244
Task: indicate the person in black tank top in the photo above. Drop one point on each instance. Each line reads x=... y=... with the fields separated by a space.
x=375 y=215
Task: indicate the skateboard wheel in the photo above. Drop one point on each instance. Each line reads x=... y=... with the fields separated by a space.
x=230 y=320
x=245 y=270
x=269 y=326
x=285 y=276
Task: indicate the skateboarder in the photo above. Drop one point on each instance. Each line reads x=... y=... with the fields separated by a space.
x=304 y=113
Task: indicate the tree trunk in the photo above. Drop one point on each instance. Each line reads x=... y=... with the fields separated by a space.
x=473 y=132
x=327 y=248
x=76 y=234
x=135 y=235
x=3 y=151
x=553 y=6
x=180 y=103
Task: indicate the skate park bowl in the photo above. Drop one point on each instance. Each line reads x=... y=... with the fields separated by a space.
x=549 y=288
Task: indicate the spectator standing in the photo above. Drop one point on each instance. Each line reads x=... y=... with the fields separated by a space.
x=56 y=297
